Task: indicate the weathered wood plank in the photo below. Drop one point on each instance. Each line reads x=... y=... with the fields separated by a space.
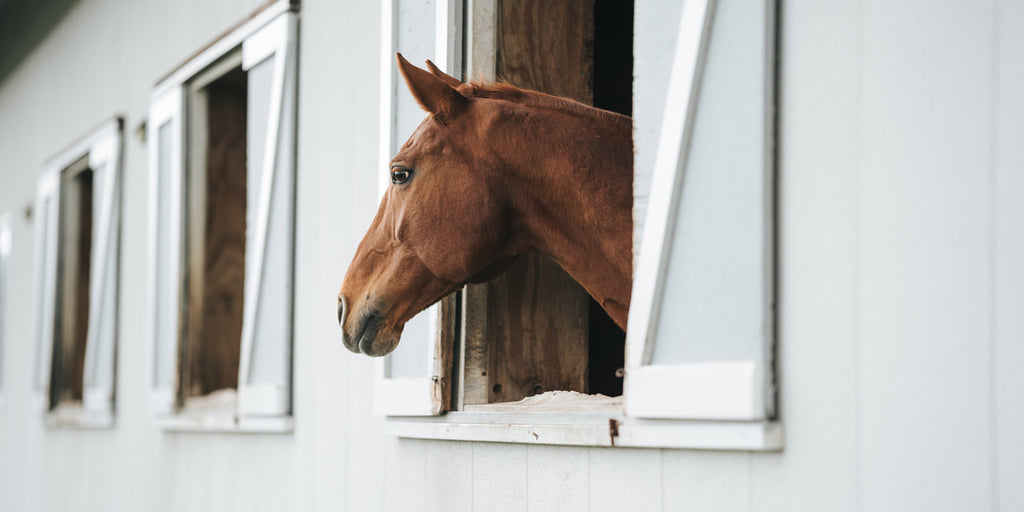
x=536 y=324
x=537 y=329
x=217 y=284
x=75 y=262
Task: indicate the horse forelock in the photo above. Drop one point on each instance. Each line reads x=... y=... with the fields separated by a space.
x=539 y=100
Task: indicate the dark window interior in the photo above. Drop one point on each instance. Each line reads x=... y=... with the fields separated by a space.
x=74 y=260
x=613 y=90
x=216 y=253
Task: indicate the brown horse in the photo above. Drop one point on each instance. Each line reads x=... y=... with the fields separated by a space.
x=494 y=171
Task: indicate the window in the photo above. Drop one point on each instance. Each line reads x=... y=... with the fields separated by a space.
x=222 y=136
x=698 y=356
x=493 y=366
x=5 y=256
x=78 y=231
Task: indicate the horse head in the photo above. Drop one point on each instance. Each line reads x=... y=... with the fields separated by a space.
x=441 y=222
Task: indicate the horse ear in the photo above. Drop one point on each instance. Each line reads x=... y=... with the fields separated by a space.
x=432 y=93
x=445 y=77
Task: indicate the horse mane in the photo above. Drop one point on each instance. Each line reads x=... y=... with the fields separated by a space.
x=539 y=100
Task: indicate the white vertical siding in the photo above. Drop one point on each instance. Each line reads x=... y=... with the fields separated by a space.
x=563 y=484
x=926 y=256
x=818 y=203
x=1007 y=354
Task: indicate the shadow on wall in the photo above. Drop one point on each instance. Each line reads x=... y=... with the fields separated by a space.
x=23 y=25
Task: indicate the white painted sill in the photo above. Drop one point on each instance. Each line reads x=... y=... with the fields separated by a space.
x=226 y=423
x=217 y=413
x=586 y=424
x=75 y=416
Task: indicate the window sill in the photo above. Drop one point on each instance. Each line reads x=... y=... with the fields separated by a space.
x=74 y=416
x=590 y=429
x=226 y=423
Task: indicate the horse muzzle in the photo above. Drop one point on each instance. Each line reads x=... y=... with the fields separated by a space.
x=366 y=334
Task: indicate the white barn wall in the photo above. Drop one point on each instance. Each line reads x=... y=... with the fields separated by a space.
x=899 y=283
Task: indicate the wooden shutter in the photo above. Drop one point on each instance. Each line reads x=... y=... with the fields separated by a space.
x=264 y=377
x=700 y=342
x=165 y=217
x=101 y=338
x=415 y=380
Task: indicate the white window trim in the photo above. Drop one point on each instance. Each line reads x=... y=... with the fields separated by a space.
x=419 y=396
x=6 y=244
x=741 y=387
x=103 y=147
x=719 y=424
x=166 y=107
x=271 y=32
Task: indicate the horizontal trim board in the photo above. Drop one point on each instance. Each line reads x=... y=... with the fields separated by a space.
x=226 y=424
x=590 y=430
x=727 y=390
x=404 y=397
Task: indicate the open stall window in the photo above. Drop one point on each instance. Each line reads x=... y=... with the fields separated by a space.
x=77 y=228
x=698 y=358
x=222 y=137
x=429 y=372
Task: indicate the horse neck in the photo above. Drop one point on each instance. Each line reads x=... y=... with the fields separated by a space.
x=578 y=207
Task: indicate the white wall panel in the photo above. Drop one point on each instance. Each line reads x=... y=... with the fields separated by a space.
x=499 y=477
x=448 y=472
x=706 y=481
x=925 y=283
x=819 y=202
x=558 y=478
x=1008 y=275
x=625 y=480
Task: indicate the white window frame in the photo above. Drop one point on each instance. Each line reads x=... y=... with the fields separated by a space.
x=740 y=387
x=103 y=146
x=6 y=244
x=414 y=396
x=733 y=418
x=270 y=33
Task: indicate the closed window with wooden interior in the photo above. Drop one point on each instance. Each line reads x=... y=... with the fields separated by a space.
x=696 y=369
x=78 y=229
x=221 y=137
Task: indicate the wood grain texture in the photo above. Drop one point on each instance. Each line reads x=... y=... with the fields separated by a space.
x=537 y=329
x=447 y=332
x=217 y=285
x=74 y=278
x=536 y=326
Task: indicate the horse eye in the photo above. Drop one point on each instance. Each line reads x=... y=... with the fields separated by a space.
x=399 y=175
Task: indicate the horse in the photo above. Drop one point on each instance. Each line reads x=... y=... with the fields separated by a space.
x=492 y=172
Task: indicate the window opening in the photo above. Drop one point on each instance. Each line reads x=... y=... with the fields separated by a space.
x=535 y=329
x=74 y=249
x=216 y=242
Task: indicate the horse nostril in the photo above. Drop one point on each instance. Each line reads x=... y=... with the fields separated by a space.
x=341 y=310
